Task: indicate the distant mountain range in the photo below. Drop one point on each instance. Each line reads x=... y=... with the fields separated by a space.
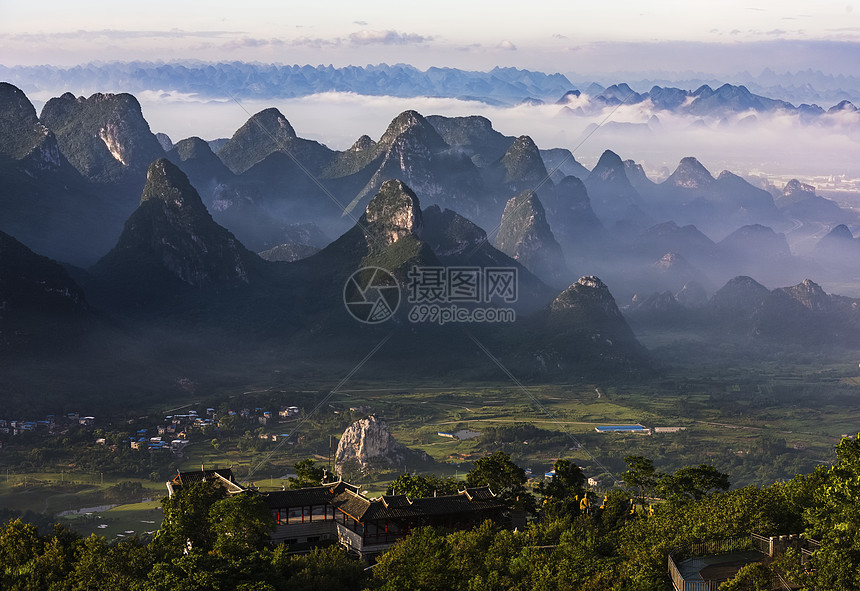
x=805 y=86
x=245 y=80
x=499 y=86
x=164 y=236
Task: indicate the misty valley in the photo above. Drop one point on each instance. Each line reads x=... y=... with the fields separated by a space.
x=170 y=308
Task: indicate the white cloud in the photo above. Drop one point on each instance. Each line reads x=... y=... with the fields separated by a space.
x=507 y=45
x=366 y=37
x=250 y=42
x=315 y=42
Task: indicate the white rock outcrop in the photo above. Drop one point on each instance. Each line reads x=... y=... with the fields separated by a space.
x=370 y=444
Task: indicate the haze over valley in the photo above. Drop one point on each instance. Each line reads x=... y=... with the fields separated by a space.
x=577 y=284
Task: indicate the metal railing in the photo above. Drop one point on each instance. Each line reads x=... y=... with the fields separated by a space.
x=709 y=547
x=721 y=546
x=762 y=544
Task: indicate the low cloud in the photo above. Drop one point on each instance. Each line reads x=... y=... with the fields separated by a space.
x=507 y=45
x=315 y=42
x=389 y=37
x=251 y=42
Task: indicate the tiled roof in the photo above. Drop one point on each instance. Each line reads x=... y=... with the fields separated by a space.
x=303 y=497
x=401 y=507
x=222 y=477
x=478 y=493
x=352 y=504
x=201 y=475
x=347 y=499
x=395 y=501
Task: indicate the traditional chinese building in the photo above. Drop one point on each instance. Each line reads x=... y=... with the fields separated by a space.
x=338 y=512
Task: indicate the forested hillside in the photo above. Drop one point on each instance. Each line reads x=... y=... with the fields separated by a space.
x=575 y=539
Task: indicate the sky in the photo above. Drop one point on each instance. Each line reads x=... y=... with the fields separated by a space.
x=554 y=36
x=610 y=41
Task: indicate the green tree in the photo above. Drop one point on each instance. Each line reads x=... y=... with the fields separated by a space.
x=422 y=561
x=323 y=568
x=350 y=469
x=505 y=478
x=30 y=561
x=207 y=571
x=307 y=474
x=99 y=565
x=751 y=577
x=416 y=486
x=640 y=475
x=616 y=509
x=692 y=482
x=498 y=471
x=834 y=520
x=125 y=492
x=185 y=525
x=563 y=492
x=19 y=544
x=240 y=524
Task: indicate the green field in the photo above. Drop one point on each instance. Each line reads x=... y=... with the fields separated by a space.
x=132 y=519
x=758 y=423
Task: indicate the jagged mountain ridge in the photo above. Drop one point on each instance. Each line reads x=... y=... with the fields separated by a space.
x=525 y=235
x=105 y=136
x=171 y=243
x=500 y=85
x=260 y=204
x=704 y=101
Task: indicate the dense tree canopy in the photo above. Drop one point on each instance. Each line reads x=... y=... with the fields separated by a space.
x=563 y=492
x=640 y=475
x=211 y=542
x=186 y=522
x=503 y=476
x=240 y=524
x=834 y=519
x=691 y=482
x=307 y=474
x=416 y=486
